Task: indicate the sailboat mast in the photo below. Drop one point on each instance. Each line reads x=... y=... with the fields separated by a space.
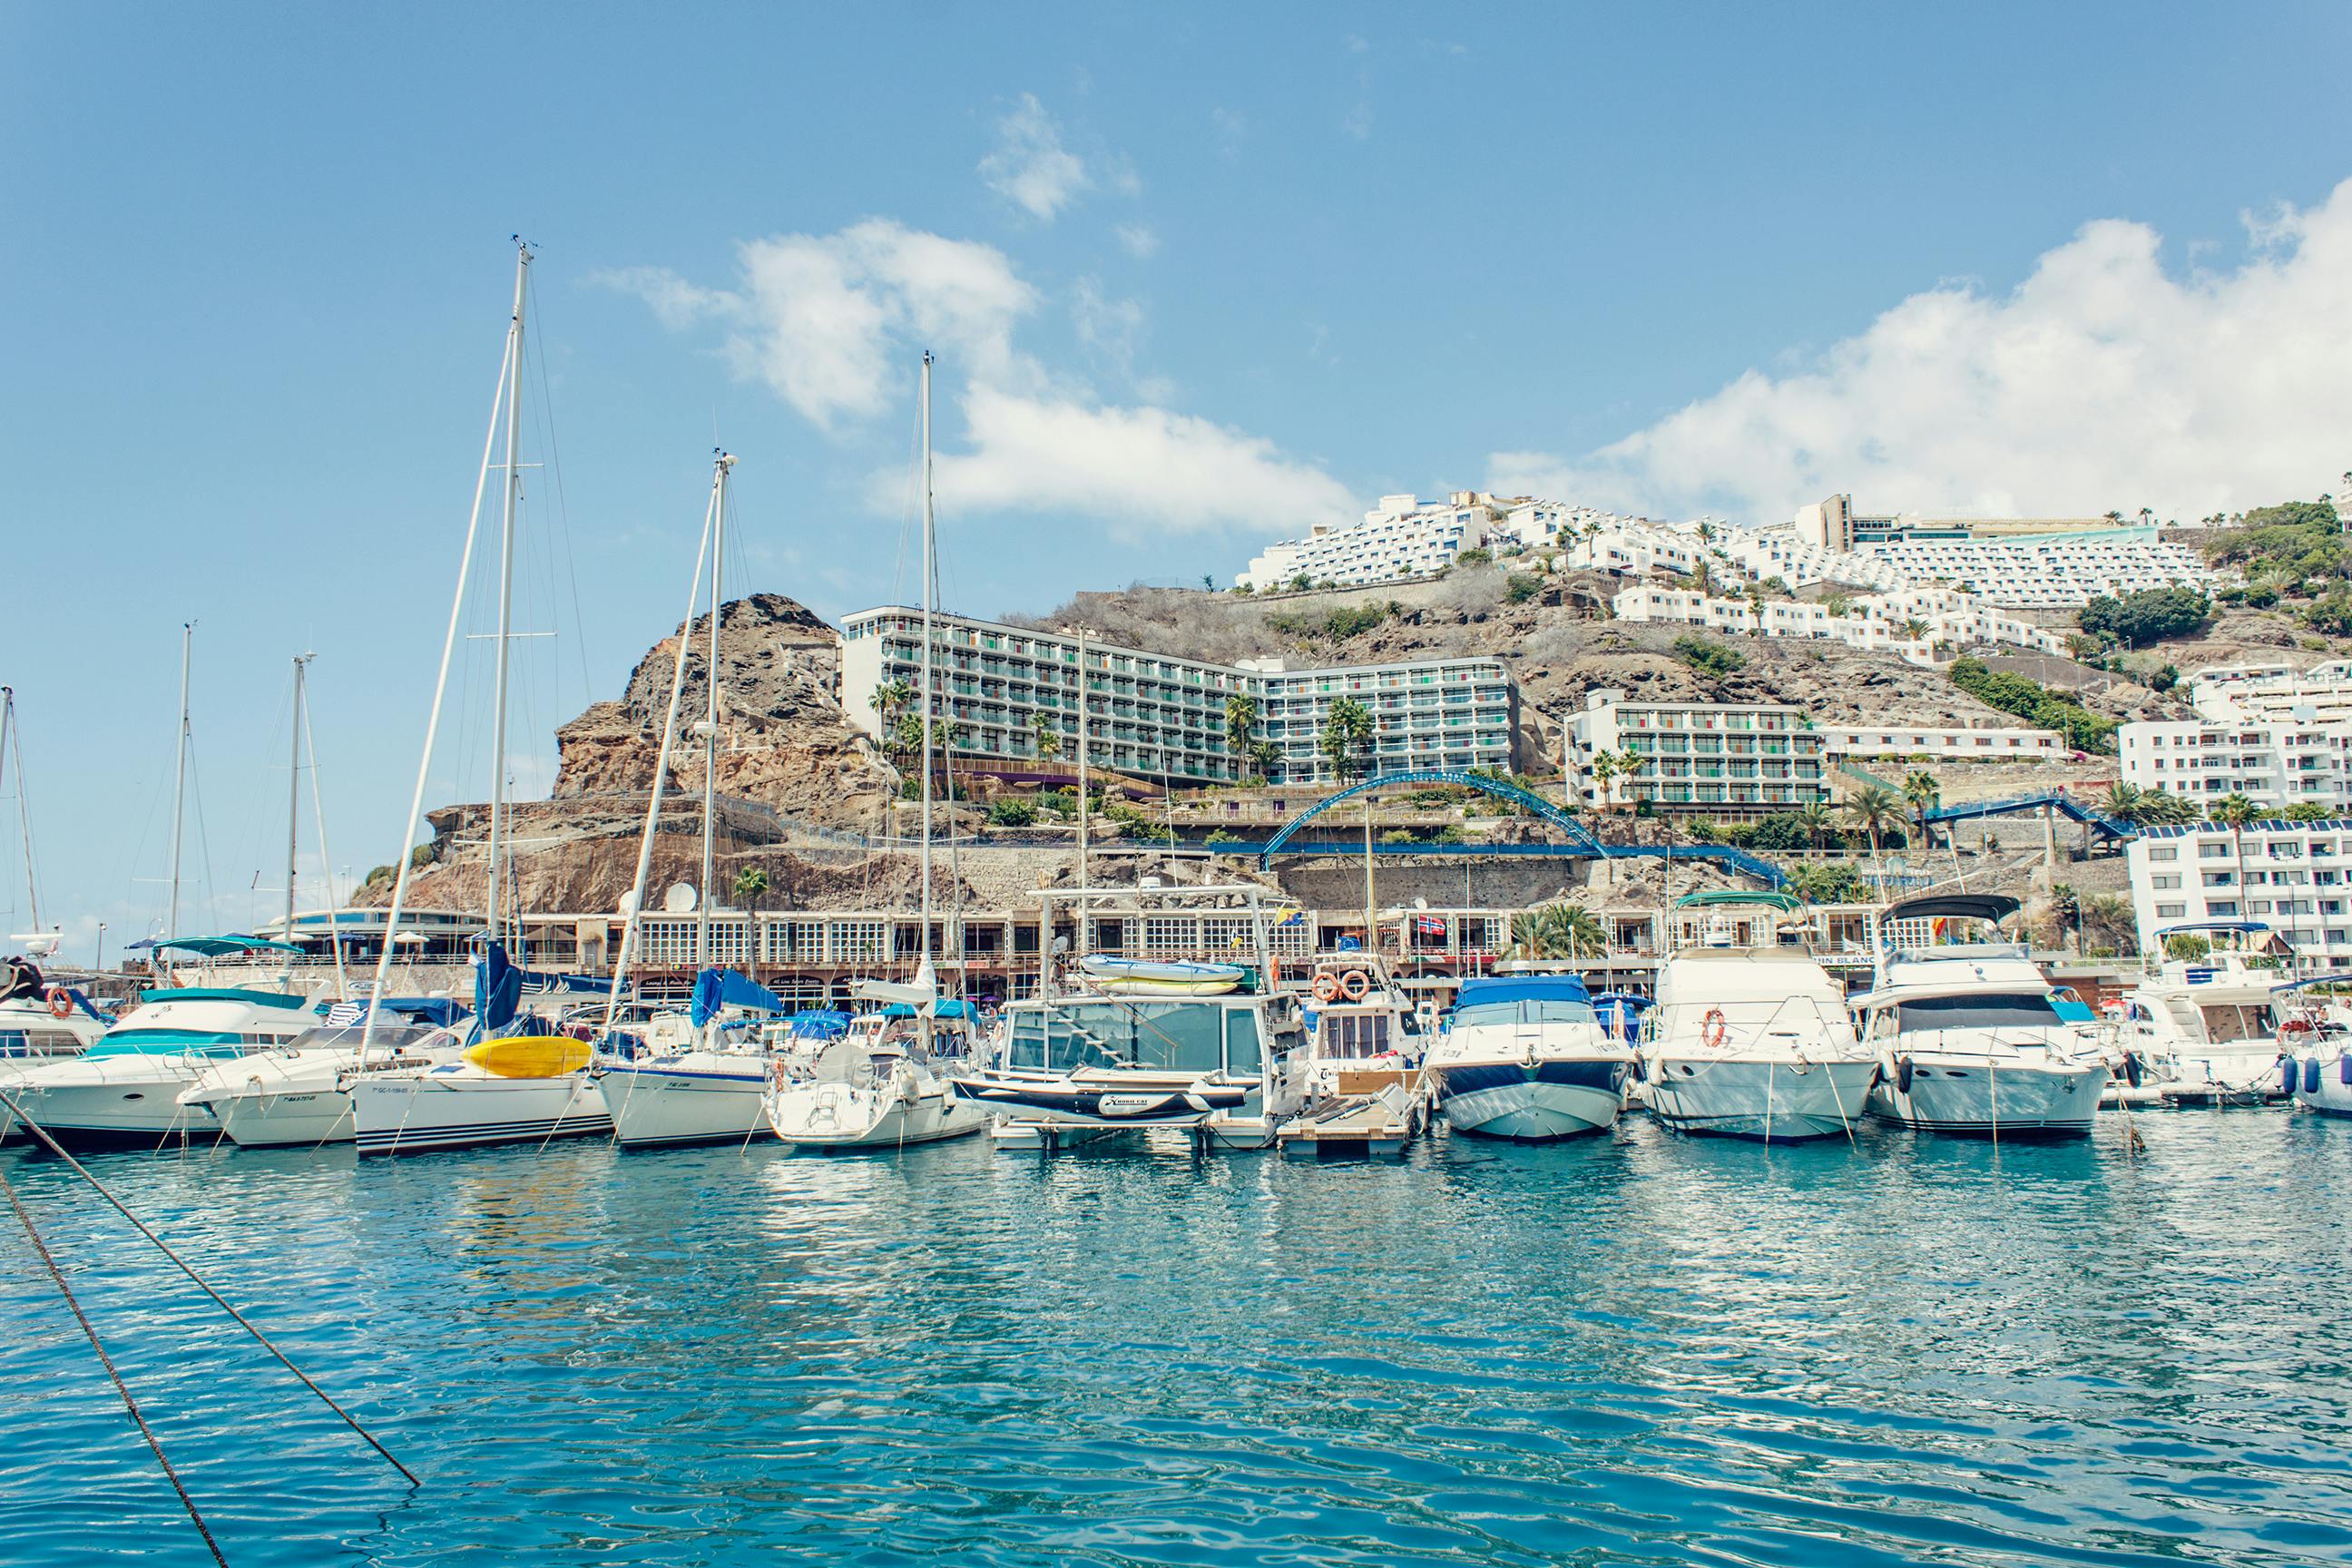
x=179 y=774
x=294 y=794
x=506 y=580
x=928 y=547
x=9 y=737
x=710 y=718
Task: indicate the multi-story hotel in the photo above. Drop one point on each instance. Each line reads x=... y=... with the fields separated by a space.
x=2294 y=877
x=2321 y=694
x=1154 y=715
x=1714 y=759
x=2275 y=763
x=1402 y=537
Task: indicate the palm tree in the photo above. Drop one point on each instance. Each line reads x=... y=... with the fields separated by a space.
x=1556 y=931
x=1347 y=736
x=1919 y=788
x=2066 y=913
x=2126 y=802
x=1241 y=718
x=2112 y=918
x=1049 y=737
x=890 y=698
x=1264 y=755
x=751 y=886
x=1876 y=808
x=2233 y=811
x=1630 y=763
x=1604 y=772
x=1814 y=817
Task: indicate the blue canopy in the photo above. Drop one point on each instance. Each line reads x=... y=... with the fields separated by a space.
x=718 y=988
x=820 y=1023
x=949 y=1007
x=1522 y=988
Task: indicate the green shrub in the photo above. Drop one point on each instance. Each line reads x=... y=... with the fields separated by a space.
x=1013 y=812
x=2150 y=616
x=1708 y=658
x=1474 y=556
x=1519 y=587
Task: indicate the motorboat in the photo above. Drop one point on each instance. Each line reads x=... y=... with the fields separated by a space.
x=125 y=1087
x=301 y=1093
x=1750 y=1038
x=1367 y=1090
x=2315 y=1047
x=1525 y=1058
x=1968 y=1038
x=41 y=1023
x=711 y=1088
x=1076 y=1063
x=1115 y=977
x=2202 y=1026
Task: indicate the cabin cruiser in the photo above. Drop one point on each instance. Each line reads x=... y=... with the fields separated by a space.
x=704 y=1084
x=2204 y=1028
x=1525 y=1058
x=1750 y=1039
x=301 y=1093
x=524 y=1080
x=1363 y=1033
x=41 y=1023
x=2316 y=1047
x=125 y=1088
x=1966 y=1037
x=883 y=1082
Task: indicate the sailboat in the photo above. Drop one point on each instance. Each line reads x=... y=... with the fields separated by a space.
x=889 y=1093
x=520 y=1082
x=712 y=1091
x=40 y=1022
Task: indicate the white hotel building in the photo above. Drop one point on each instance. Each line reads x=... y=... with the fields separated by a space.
x=1708 y=759
x=1402 y=537
x=2273 y=762
x=2294 y=877
x=1152 y=715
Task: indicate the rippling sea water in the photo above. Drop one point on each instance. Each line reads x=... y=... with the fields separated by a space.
x=1641 y=1349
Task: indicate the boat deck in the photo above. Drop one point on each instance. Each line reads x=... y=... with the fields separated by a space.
x=1357 y=1126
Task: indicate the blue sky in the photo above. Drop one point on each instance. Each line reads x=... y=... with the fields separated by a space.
x=1195 y=277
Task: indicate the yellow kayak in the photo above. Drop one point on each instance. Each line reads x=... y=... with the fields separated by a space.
x=531 y=1056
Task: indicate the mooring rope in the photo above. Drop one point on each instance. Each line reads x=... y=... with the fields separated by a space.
x=41 y=1133
x=89 y=1331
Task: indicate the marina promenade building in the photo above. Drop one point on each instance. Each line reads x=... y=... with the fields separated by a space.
x=1715 y=759
x=2294 y=877
x=1155 y=715
x=2273 y=762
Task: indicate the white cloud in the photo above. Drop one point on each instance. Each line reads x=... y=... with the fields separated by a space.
x=1030 y=167
x=1231 y=128
x=2099 y=383
x=676 y=302
x=1132 y=467
x=820 y=317
x=1137 y=241
x=829 y=321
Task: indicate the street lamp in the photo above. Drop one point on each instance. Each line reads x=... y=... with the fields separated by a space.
x=98 y=965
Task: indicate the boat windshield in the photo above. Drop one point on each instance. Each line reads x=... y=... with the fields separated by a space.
x=1528 y=1010
x=1158 y=1036
x=1980 y=1011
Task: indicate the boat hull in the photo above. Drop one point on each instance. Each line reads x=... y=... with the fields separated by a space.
x=1774 y=1102
x=1967 y=1099
x=674 y=1105
x=401 y=1113
x=1531 y=1102
x=830 y=1117
x=1064 y=1102
x=124 y=1100
x=2325 y=1091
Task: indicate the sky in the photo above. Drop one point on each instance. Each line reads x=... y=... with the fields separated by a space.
x=1196 y=278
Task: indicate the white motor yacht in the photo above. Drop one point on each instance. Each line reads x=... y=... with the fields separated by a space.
x=125 y=1088
x=1524 y=1058
x=1968 y=1038
x=2316 y=1047
x=1750 y=1039
x=41 y=1023
x=2203 y=1028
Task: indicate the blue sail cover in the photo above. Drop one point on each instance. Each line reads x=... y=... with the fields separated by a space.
x=718 y=988
x=1523 y=988
x=497 y=988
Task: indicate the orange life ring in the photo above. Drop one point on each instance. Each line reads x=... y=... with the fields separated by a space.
x=1355 y=985
x=1711 y=1028
x=1327 y=987
x=60 y=1001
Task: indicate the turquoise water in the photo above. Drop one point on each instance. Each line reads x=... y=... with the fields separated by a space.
x=1645 y=1350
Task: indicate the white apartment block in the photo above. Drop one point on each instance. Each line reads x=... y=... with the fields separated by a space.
x=2275 y=763
x=1152 y=715
x=1881 y=623
x=2322 y=694
x=2053 y=570
x=1945 y=743
x=1714 y=759
x=2294 y=877
x=1434 y=713
x=1402 y=537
